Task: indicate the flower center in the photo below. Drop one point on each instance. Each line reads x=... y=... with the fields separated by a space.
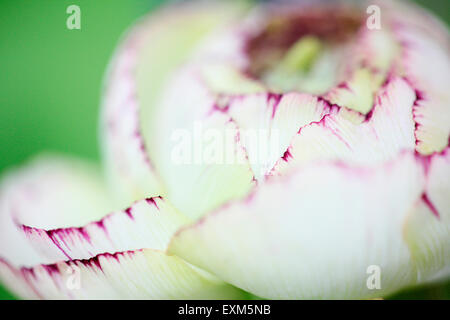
x=303 y=50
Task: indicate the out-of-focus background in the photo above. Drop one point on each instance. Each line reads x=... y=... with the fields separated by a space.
x=50 y=81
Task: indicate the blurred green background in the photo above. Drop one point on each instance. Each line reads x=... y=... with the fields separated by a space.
x=50 y=80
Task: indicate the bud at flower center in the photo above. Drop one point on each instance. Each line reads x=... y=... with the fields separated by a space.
x=303 y=50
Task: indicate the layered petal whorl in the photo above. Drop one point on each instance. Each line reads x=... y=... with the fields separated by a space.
x=283 y=150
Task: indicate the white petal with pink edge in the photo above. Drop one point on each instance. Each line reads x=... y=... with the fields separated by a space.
x=142 y=274
x=271 y=122
x=425 y=58
x=148 y=223
x=316 y=242
x=50 y=248
x=51 y=192
x=348 y=136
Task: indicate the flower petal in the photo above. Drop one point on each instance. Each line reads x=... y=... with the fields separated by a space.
x=269 y=123
x=317 y=242
x=349 y=136
x=427 y=230
x=143 y=274
x=368 y=64
x=228 y=80
x=147 y=224
x=51 y=192
x=53 y=204
x=198 y=153
x=139 y=70
x=357 y=94
x=119 y=256
x=424 y=41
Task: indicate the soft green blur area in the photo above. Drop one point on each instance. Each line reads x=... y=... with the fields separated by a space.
x=51 y=77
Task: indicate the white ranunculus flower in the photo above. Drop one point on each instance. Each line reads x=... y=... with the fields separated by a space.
x=349 y=172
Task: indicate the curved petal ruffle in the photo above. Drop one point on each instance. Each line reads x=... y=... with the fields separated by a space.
x=57 y=241
x=348 y=136
x=142 y=274
x=425 y=59
x=147 y=224
x=51 y=192
x=269 y=123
